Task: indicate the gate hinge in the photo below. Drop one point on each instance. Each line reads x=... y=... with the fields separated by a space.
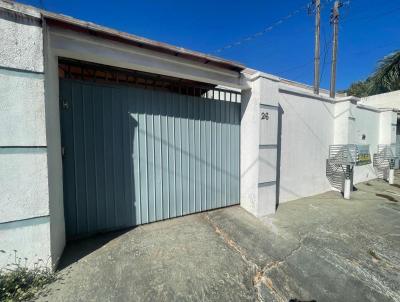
x=65 y=104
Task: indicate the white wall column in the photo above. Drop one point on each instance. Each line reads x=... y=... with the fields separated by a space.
x=259 y=145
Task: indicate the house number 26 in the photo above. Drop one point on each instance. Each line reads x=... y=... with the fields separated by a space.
x=264 y=116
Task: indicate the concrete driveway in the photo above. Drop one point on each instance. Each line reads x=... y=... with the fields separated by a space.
x=321 y=248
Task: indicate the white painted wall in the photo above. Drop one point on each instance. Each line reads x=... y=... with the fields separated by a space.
x=249 y=136
x=367 y=122
x=309 y=125
x=343 y=122
x=390 y=100
x=379 y=127
x=307 y=132
x=53 y=133
x=387 y=127
x=384 y=100
x=259 y=145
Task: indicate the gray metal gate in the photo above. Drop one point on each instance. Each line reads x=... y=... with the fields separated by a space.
x=133 y=156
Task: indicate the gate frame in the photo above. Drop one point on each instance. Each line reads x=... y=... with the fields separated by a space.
x=108 y=76
x=58 y=43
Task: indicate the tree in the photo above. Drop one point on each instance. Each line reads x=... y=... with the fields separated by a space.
x=386 y=78
x=358 y=89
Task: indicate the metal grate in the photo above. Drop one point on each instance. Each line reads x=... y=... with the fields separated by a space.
x=383 y=160
x=85 y=71
x=340 y=164
x=335 y=174
x=343 y=154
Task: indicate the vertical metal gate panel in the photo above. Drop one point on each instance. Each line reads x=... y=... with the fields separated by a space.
x=133 y=156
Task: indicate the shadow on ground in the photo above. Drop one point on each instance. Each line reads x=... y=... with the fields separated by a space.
x=322 y=248
x=80 y=248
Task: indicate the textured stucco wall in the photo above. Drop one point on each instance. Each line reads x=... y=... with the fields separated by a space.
x=28 y=239
x=307 y=132
x=23 y=179
x=24 y=198
x=21 y=41
x=22 y=113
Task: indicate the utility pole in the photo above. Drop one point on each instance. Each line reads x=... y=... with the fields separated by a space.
x=335 y=22
x=317 y=4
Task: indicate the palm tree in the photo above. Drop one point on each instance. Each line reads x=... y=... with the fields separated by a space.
x=386 y=78
x=387 y=75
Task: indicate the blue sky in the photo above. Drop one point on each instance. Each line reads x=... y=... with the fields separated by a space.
x=369 y=30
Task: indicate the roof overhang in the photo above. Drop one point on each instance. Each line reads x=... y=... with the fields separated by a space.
x=104 y=32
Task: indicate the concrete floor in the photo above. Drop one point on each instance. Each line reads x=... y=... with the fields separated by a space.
x=320 y=248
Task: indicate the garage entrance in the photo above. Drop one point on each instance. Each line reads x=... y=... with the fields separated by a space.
x=139 y=148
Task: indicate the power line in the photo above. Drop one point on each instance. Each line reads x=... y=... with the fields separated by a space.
x=327 y=44
x=296 y=67
x=296 y=77
x=269 y=28
x=309 y=63
x=264 y=31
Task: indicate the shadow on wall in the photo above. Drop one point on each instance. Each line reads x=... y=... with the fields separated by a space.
x=16 y=18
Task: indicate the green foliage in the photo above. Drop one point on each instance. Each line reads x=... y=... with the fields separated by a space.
x=386 y=78
x=358 y=89
x=19 y=283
